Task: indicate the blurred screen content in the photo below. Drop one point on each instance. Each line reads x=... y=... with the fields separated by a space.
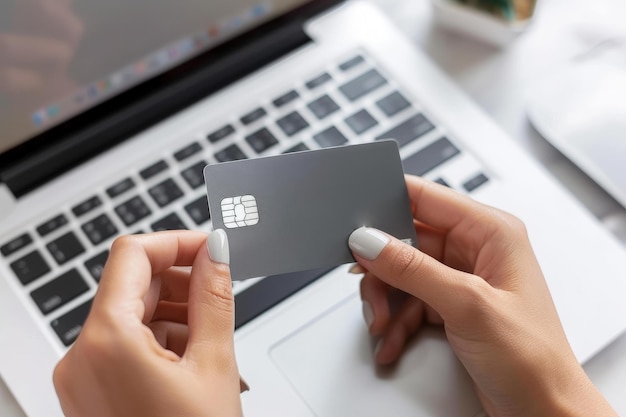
x=61 y=57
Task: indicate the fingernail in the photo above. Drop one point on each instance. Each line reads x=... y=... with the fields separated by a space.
x=243 y=385
x=367 y=242
x=379 y=346
x=356 y=269
x=368 y=314
x=217 y=244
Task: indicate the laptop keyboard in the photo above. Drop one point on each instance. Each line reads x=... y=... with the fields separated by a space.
x=59 y=262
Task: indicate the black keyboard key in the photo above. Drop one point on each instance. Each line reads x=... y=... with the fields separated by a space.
x=65 y=248
x=165 y=192
x=231 y=153
x=99 y=229
x=198 y=210
x=154 y=169
x=298 y=148
x=317 y=81
x=30 y=267
x=392 y=104
x=323 y=107
x=253 y=116
x=16 y=244
x=69 y=325
x=171 y=222
x=361 y=122
x=475 y=182
x=60 y=291
x=292 y=123
x=194 y=175
x=442 y=182
x=410 y=130
x=286 y=98
x=121 y=187
x=95 y=265
x=261 y=140
x=221 y=133
x=351 y=63
x=87 y=206
x=52 y=225
x=330 y=137
x=132 y=210
x=363 y=85
x=187 y=151
x=430 y=157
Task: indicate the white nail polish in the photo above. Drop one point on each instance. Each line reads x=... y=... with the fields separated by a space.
x=217 y=244
x=368 y=314
x=367 y=242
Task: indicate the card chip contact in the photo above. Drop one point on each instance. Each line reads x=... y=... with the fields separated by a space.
x=240 y=211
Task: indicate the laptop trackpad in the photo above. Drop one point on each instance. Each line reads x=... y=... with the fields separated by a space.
x=330 y=364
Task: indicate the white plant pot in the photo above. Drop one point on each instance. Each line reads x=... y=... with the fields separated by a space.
x=476 y=23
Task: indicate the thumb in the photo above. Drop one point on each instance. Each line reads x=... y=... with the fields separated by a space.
x=211 y=307
x=410 y=270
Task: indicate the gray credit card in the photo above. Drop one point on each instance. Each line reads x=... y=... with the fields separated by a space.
x=295 y=212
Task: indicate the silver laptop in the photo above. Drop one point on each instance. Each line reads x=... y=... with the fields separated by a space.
x=150 y=93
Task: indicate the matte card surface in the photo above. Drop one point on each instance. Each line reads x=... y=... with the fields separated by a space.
x=295 y=212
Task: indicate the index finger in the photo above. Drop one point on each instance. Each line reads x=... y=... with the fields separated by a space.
x=439 y=206
x=133 y=261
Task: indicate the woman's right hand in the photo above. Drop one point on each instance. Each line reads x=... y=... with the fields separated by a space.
x=158 y=341
x=475 y=272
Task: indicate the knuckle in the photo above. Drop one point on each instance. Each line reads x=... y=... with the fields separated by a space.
x=474 y=291
x=59 y=375
x=220 y=293
x=103 y=340
x=501 y=225
x=508 y=222
x=517 y=225
x=511 y=230
x=475 y=298
x=406 y=262
x=96 y=345
x=123 y=242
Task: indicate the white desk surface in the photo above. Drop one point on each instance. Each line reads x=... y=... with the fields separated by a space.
x=497 y=80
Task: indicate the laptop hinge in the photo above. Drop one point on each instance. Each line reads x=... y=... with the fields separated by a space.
x=125 y=118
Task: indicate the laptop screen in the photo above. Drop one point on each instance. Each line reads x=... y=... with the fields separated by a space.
x=59 y=58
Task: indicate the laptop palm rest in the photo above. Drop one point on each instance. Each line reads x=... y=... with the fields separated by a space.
x=329 y=362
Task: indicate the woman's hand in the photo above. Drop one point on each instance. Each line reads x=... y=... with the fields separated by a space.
x=476 y=274
x=159 y=338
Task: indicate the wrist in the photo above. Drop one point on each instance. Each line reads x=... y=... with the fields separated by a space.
x=574 y=395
